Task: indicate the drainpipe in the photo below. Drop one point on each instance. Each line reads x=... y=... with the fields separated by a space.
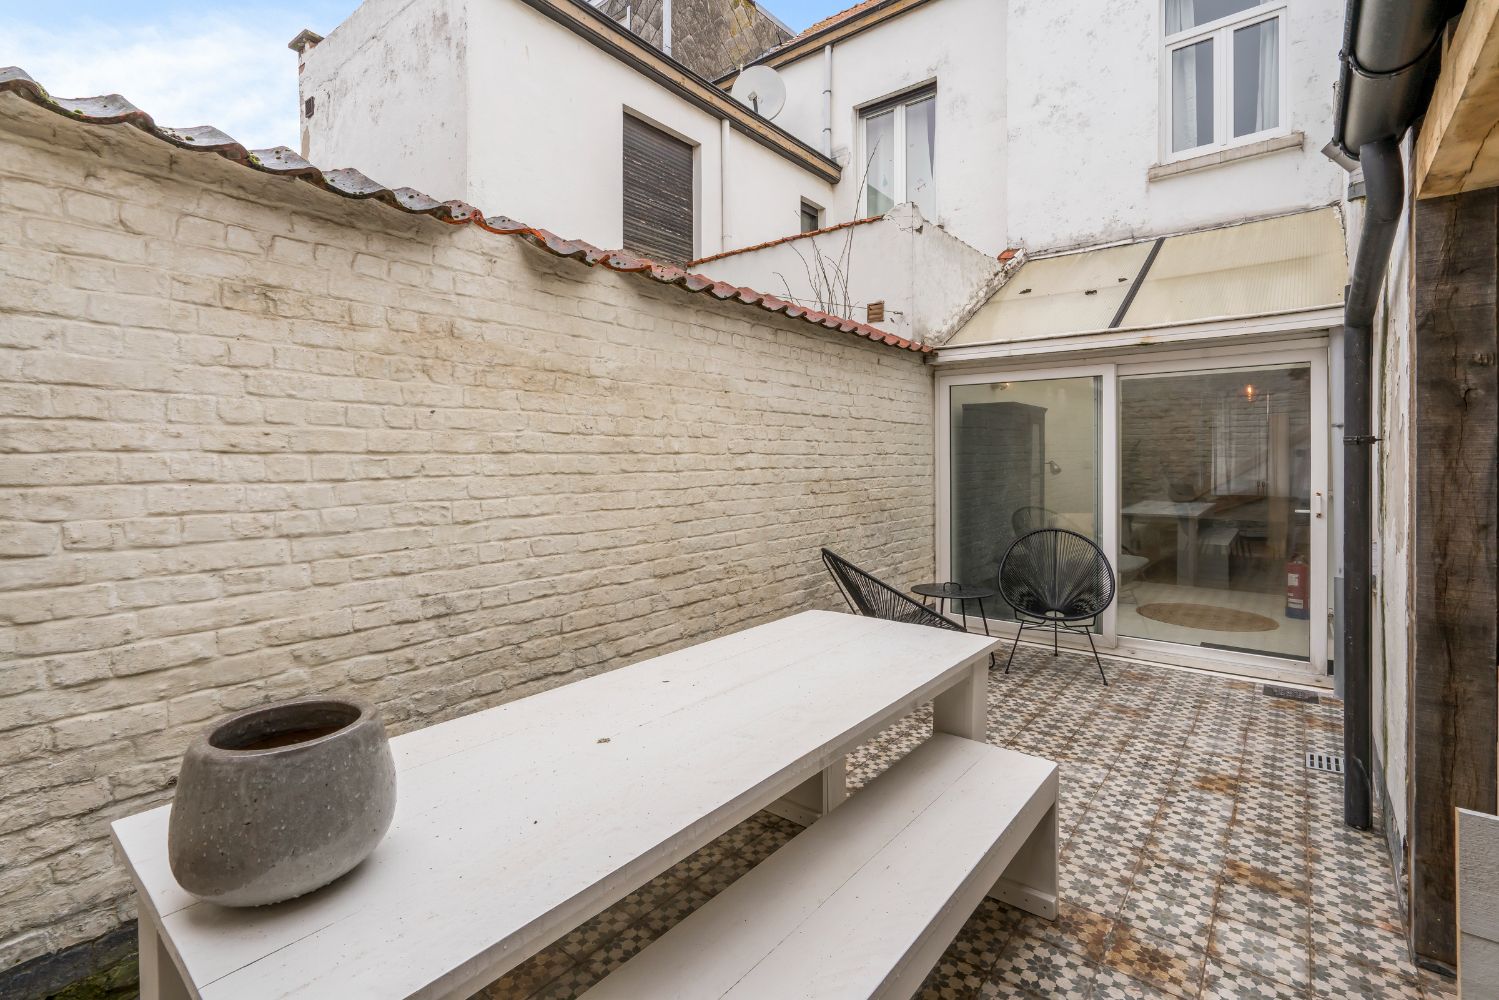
x=1391 y=51
x=666 y=26
x=827 y=100
x=1384 y=180
x=725 y=235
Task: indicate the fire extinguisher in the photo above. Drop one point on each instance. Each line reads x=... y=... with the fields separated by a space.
x=1298 y=580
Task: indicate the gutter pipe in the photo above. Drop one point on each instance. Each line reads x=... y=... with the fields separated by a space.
x=1391 y=52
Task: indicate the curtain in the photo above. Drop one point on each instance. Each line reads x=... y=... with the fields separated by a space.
x=1191 y=96
x=1267 y=109
x=1180 y=15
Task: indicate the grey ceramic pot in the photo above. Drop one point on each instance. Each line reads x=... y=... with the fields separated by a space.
x=276 y=801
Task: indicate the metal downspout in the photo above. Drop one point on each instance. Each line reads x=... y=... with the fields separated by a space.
x=1391 y=53
x=1384 y=178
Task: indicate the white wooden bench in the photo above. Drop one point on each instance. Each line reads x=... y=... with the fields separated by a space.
x=516 y=824
x=864 y=902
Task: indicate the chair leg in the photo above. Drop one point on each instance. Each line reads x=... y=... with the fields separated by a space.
x=1089 y=634
x=1013 y=648
x=1055 y=629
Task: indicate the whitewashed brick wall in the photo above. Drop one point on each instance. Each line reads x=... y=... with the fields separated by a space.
x=258 y=441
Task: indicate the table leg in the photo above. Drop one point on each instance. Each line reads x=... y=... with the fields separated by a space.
x=963 y=709
x=815 y=797
x=159 y=979
x=1191 y=534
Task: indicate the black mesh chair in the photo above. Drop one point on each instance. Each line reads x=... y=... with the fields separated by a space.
x=1057 y=579
x=870 y=596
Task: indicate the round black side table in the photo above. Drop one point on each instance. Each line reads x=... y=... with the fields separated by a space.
x=962 y=593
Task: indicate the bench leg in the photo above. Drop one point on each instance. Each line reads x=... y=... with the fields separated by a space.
x=1030 y=882
x=815 y=797
x=159 y=979
x=963 y=709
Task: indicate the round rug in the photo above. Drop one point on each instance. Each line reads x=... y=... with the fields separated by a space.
x=1207 y=616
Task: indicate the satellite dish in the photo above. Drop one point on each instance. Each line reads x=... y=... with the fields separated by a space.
x=760 y=89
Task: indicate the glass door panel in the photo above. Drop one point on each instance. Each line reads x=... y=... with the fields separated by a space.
x=1025 y=455
x=1215 y=545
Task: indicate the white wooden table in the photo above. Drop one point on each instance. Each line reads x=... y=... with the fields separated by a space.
x=1187 y=514
x=516 y=824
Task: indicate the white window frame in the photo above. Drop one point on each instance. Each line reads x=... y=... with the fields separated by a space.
x=1311 y=351
x=1221 y=32
x=895 y=105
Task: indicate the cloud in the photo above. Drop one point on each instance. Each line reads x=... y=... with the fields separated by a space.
x=239 y=77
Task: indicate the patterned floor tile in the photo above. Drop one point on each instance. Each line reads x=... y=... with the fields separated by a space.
x=1227 y=982
x=674 y=910
x=1043 y=968
x=952 y=978
x=1185 y=920
x=531 y=975
x=1100 y=892
x=1074 y=928
x=1179 y=792
x=570 y=985
x=1364 y=944
x=1113 y=985
x=1166 y=964
x=983 y=937
x=1166 y=878
x=1337 y=980
x=586 y=939
x=1438 y=987
x=1261 y=952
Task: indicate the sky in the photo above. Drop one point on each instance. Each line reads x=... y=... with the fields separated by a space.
x=201 y=62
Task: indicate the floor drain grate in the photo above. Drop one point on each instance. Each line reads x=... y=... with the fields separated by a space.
x=1332 y=763
x=1290 y=694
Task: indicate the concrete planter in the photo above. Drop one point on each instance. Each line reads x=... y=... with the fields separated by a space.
x=276 y=801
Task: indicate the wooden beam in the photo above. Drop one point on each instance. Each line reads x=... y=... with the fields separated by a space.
x=1454 y=689
x=1458 y=149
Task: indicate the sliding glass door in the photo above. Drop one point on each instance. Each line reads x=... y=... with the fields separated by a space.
x=1024 y=454
x=1216 y=508
x=1206 y=486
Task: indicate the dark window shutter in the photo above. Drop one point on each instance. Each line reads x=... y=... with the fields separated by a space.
x=658 y=193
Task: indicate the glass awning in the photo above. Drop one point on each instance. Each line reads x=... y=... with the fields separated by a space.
x=1279 y=265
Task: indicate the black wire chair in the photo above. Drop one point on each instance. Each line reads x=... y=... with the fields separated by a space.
x=1058 y=579
x=872 y=597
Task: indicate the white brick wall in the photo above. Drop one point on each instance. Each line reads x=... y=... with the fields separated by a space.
x=258 y=441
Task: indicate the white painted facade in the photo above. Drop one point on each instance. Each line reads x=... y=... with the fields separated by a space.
x=491 y=102
x=951 y=44
x=925 y=277
x=1050 y=132
x=1087 y=122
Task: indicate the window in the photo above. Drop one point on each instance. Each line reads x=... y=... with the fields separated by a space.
x=900 y=147
x=1223 y=73
x=658 y=195
x=811 y=217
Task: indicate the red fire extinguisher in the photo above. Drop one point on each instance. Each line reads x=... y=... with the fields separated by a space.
x=1298 y=580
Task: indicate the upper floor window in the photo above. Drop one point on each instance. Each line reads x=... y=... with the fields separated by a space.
x=900 y=154
x=1223 y=72
x=811 y=216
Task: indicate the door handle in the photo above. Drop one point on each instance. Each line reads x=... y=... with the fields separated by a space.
x=1316 y=503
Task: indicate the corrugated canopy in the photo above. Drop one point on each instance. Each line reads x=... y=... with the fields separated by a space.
x=1276 y=265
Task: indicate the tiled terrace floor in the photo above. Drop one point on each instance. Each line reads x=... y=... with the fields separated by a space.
x=1200 y=858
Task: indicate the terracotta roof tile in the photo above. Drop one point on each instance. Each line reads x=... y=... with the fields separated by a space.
x=842 y=15
x=112 y=109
